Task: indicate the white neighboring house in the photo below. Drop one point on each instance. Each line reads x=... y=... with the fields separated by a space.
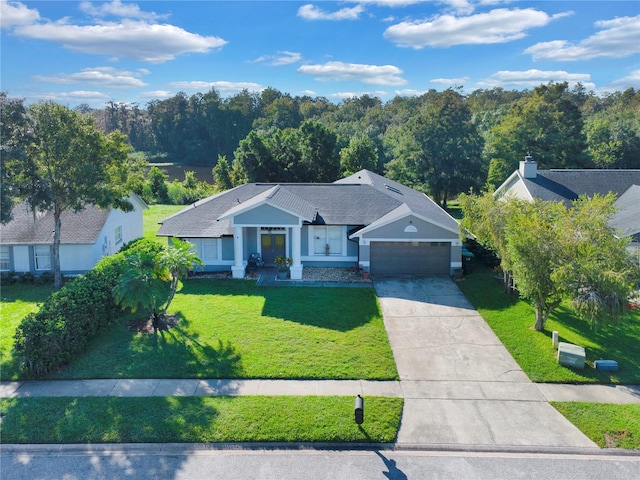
x=566 y=185
x=86 y=237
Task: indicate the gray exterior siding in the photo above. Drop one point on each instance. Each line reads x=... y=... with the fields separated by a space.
x=424 y=230
x=266 y=215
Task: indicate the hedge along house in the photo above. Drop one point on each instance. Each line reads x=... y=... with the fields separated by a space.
x=363 y=220
x=86 y=237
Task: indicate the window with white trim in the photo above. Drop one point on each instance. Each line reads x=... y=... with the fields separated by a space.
x=327 y=239
x=42 y=257
x=119 y=234
x=5 y=258
x=207 y=248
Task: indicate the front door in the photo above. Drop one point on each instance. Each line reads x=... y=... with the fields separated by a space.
x=272 y=244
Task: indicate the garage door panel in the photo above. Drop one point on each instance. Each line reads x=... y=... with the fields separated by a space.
x=410 y=258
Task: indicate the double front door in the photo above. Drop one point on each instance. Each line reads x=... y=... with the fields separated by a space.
x=272 y=245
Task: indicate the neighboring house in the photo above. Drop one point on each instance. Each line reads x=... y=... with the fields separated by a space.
x=567 y=185
x=86 y=237
x=364 y=220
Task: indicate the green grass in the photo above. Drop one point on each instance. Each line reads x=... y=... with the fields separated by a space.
x=16 y=302
x=234 y=329
x=608 y=425
x=512 y=320
x=197 y=419
x=155 y=214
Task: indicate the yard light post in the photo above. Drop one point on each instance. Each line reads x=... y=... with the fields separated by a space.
x=359 y=410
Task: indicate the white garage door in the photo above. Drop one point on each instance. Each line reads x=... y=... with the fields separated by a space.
x=410 y=258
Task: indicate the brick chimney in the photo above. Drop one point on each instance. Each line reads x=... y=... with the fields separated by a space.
x=528 y=167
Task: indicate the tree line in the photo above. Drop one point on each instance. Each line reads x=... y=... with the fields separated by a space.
x=443 y=143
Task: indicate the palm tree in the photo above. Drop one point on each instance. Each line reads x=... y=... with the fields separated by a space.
x=150 y=281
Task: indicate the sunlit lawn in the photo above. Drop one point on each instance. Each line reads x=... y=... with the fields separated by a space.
x=197 y=419
x=608 y=425
x=16 y=302
x=235 y=329
x=155 y=214
x=512 y=320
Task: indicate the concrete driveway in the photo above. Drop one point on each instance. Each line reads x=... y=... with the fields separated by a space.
x=461 y=386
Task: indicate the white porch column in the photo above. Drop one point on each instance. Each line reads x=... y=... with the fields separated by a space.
x=237 y=269
x=296 y=268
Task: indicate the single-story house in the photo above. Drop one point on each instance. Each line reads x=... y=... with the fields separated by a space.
x=364 y=220
x=566 y=185
x=86 y=237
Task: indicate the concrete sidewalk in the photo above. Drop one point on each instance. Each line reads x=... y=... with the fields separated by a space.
x=408 y=389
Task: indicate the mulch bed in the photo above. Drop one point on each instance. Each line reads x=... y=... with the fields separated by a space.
x=144 y=325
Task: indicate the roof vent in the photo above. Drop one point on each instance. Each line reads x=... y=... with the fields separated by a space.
x=393 y=189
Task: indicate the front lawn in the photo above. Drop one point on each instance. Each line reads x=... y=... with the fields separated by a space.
x=512 y=320
x=197 y=419
x=608 y=425
x=16 y=302
x=235 y=329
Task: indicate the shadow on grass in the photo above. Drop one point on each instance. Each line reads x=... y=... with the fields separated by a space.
x=334 y=308
x=106 y=420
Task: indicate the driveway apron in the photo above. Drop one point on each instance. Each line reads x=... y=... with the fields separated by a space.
x=461 y=386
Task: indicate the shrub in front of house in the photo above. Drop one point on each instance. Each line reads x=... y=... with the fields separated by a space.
x=49 y=338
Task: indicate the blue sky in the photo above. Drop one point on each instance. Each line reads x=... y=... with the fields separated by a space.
x=94 y=52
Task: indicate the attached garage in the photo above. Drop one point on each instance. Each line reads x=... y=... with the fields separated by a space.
x=410 y=258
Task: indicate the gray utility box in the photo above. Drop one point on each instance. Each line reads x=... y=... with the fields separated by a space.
x=610 y=365
x=570 y=355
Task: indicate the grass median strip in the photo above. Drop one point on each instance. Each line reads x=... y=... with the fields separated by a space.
x=608 y=425
x=197 y=419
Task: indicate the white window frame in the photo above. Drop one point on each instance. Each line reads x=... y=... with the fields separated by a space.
x=324 y=232
x=42 y=254
x=205 y=247
x=5 y=258
x=118 y=234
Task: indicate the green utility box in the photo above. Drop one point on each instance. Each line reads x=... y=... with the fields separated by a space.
x=570 y=355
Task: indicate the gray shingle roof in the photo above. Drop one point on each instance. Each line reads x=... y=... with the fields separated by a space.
x=77 y=227
x=568 y=185
x=356 y=200
x=627 y=218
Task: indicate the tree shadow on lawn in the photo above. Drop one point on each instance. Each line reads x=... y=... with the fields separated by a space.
x=333 y=308
x=107 y=420
x=617 y=342
x=222 y=361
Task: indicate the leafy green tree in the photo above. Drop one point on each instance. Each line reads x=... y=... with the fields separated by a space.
x=554 y=253
x=535 y=251
x=222 y=174
x=319 y=161
x=158 y=180
x=68 y=164
x=439 y=149
x=546 y=124
x=598 y=274
x=177 y=260
x=359 y=154
x=14 y=138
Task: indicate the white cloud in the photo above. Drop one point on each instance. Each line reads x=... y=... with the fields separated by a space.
x=496 y=26
x=118 y=9
x=283 y=57
x=75 y=97
x=450 y=82
x=369 y=74
x=16 y=13
x=311 y=12
x=532 y=78
x=410 y=92
x=629 y=81
x=221 y=86
x=617 y=38
x=139 y=40
x=157 y=94
x=103 y=76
